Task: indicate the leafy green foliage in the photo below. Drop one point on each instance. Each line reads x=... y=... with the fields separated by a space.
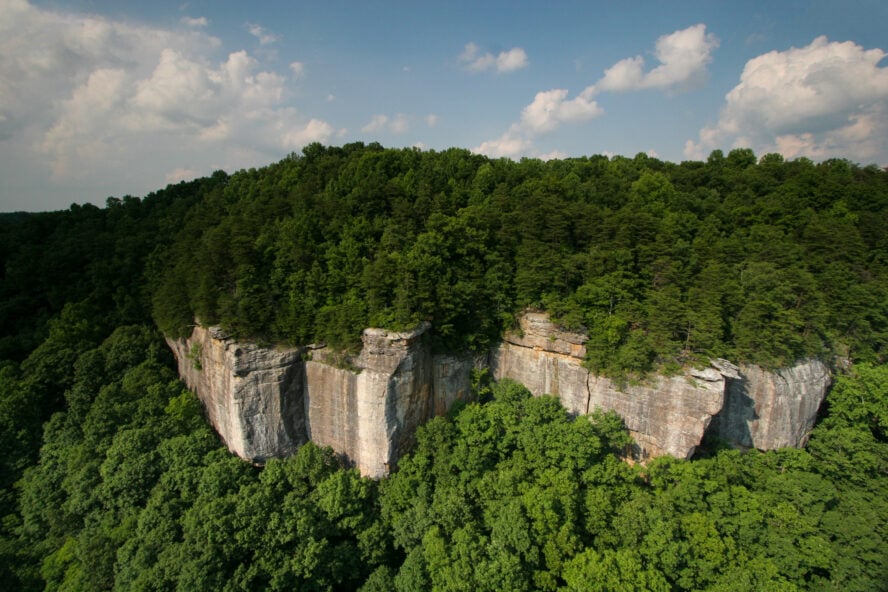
x=515 y=494
x=661 y=264
x=111 y=479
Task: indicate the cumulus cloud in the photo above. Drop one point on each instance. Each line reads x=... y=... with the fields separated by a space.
x=385 y=124
x=551 y=108
x=553 y=155
x=294 y=134
x=119 y=105
x=823 y=100
x=683 y=57
x=509 y=145
x=298 y=69
x=506 y=61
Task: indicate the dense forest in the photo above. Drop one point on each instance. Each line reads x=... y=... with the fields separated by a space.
x=112 y=479
x=766 y=262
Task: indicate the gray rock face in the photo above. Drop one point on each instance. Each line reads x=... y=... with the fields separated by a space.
x=266 y=402
x=370 y=413
x=253 y=395
x=666 y=415
x=768 y=410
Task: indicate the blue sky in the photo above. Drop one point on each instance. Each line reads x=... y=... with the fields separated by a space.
x=108 y=98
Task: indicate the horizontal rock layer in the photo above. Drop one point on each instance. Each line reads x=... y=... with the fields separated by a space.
x=265 y=402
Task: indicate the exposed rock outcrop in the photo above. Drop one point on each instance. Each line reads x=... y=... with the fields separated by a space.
x=253 y=395
x=665 y=415
x=370 y=412
x=265 y=402
x=768 y=410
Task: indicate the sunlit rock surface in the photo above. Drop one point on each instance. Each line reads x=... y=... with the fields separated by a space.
x=665 y=414
x=265 y=402
x=254 y=396
x=768 y=410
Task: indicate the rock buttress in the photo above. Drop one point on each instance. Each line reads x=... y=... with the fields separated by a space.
x=253 y=395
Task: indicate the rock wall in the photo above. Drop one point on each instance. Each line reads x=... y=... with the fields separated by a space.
x=665 y=415
x=368 y=413
x=253 y=395
x=266 y=402
x=768 y=410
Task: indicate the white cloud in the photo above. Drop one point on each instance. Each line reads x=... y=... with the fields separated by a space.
x=550 y=109
x=508 y=61
x=181 y=174
x=554 y=155
x=824 y=100
x=194 y=22
x=264 y=36
x=399 y=124
x=431 y=120
x=298 y=69
x=294 y=134
x=505 y=61
x=385 y=124
x=376 y=124
x=510 y=145
x=120 y=105
x=683 y=57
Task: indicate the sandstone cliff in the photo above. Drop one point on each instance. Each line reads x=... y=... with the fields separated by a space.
x=265 y=402
x=665 y=415
x=253 y=395
x=768 y=410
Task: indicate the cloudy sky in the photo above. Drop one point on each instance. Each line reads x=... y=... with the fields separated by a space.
x=104 y=98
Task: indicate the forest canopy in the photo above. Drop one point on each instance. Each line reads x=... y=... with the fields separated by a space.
x=111 y=479
x=766 y=261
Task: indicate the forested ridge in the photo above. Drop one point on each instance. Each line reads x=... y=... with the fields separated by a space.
x=111 y=478
x=765 y=262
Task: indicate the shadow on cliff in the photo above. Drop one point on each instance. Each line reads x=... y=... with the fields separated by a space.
x=730 y=427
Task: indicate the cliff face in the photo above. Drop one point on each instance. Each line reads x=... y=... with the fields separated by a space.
x=368 y=413
x=665 y=415
x=768 y=410
x=253 y=395
x=266 y=402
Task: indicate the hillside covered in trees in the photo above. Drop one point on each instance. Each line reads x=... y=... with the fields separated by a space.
x=111 y=478
x=763 y=262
